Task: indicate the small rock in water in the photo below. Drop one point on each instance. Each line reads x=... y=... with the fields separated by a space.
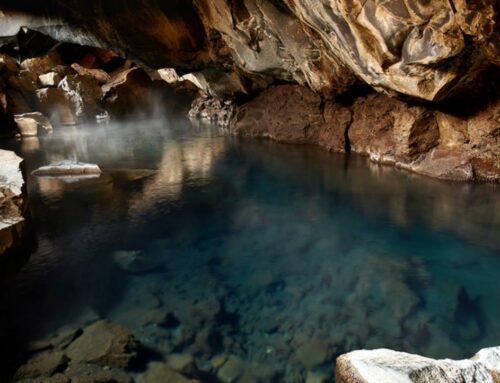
x=218 y=361
x=68 y=167
x=313 y=353
x=88 y=373
x=232 y=370
x=29 y=123
x=183 y=363
x=158 y=372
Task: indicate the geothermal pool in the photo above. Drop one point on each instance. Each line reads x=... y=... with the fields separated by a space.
x=278 y=258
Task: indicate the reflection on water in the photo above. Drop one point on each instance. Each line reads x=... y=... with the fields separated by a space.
x=281 y=256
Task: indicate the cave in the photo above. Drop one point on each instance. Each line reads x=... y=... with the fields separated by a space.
x=249 y=191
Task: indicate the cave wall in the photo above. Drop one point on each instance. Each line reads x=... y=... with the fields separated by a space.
x=425 y=49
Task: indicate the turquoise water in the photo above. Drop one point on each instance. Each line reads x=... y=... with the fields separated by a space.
x=283 y=256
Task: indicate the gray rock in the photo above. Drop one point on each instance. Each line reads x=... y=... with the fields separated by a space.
x=397 y=367
x=68 y=168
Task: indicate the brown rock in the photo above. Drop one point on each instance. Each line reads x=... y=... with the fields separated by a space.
x=87 y=373
x=57 y=104
x=104 y=343
x=85 y=95
x=44 y=364
x=128 y=92
x=28 y=124
x=286 y=113
x=98 y=74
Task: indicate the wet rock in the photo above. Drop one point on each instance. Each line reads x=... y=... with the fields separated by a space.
x=87 y=373
x=386 y=365
x=104 y=343
x=29 y=124
x=231 y=370
x=12 y=201
x=159 y=372
x=218 y=361
x=183 y=363
x=68 y=168
x=313 y=353
x=43 y=365
x=56 y=104
x=50 y=79
x=59 y=341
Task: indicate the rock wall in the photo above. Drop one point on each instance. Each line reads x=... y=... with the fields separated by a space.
x=433 y=142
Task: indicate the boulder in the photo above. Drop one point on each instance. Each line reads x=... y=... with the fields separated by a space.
x=29 y=124
x=12 y=201
x=397 y=367
x=104 y=343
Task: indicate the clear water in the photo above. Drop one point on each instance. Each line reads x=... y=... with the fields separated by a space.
x=268 y=252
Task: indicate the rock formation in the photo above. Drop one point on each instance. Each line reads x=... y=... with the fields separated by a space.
x=418 y=50
x=398 y=367
x=12 y=202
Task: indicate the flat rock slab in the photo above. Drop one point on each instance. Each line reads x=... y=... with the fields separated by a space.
x=68 y=168
x=398 y=367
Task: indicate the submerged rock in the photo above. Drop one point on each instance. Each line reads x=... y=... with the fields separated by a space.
x=43 y=365
x=104 y=343
x=158 y=372
x=397 y=367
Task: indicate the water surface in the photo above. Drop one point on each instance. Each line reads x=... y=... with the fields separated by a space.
x=267 y=252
